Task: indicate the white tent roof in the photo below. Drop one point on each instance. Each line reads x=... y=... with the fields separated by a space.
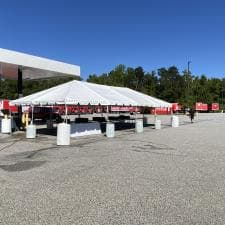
x=143 y=99
x=83 y=93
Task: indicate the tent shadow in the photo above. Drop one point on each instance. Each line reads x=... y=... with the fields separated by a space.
x=46 y=131
x=119 y=126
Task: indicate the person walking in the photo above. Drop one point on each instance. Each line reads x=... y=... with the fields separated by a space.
x=192 y=114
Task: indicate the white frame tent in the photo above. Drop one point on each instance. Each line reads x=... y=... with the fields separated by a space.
x=84 y=93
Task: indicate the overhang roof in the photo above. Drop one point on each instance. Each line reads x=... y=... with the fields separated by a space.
x=33 y=67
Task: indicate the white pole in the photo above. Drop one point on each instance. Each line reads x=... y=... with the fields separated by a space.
x=32 y=114
x=155 y=115
x=66 y=111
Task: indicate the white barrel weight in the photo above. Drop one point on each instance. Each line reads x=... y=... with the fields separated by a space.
x=63 y=134
x=31 y=131
x=6 y=126
x=110 y=130
x=157 y=124
x=175 y=121
x=197 y=115
x=139 y=126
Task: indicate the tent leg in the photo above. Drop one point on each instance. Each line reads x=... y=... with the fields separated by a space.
x=20 y=83
x=20 y=94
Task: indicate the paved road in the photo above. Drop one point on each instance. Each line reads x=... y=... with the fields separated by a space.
x=168 y=176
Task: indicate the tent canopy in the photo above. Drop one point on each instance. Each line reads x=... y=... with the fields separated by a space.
x=83 y=93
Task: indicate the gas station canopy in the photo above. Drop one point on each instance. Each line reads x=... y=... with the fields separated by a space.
x=33 y=67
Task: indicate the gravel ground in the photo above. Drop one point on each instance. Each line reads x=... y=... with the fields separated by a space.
x=169 y=176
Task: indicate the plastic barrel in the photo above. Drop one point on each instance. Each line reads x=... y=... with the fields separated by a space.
x=6 y=126
x=175 y=121
x=110 y=130
x=197 y=115
x=31 y=131
x=139 y=126
x=157 y=124
x=63 y=134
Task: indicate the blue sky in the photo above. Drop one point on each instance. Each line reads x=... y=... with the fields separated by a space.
x=100 y=34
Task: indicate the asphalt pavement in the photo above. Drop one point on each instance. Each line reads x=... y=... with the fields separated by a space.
x=168 y=176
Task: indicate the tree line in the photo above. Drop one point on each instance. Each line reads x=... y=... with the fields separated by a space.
x=8 y=88
x=165 y=83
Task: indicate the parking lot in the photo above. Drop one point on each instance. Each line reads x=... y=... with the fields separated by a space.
x=167 y=176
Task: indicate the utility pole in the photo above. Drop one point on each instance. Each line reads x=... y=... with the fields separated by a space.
x=188 y=73
x=189 y=62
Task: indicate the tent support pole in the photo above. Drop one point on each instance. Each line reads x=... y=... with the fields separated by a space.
x=20 y=83
x=19 y=94
x=66 y=113
x=32 y=114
